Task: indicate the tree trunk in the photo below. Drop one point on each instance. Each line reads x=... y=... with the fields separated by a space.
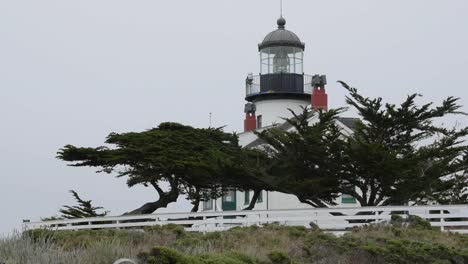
x=196 y=205
x=149 y=208
x=254 y=200
x=165 y=198
x=312 y=202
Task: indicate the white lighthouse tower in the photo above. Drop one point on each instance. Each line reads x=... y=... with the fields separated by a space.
x=282 y=84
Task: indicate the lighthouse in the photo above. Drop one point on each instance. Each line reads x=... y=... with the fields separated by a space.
x=281 y=84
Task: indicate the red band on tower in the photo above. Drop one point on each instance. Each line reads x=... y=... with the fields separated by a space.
x=250 y=122
x=319 y=98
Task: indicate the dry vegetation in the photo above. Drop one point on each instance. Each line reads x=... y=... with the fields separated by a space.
x=397 y=242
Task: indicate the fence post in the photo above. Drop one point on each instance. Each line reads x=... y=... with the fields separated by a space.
x=442 y=221
x=206 y=225
x=316 y=218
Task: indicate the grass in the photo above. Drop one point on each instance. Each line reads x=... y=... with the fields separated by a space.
x=396 y=242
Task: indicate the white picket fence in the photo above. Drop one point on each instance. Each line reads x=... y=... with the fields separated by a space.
x=453 y=218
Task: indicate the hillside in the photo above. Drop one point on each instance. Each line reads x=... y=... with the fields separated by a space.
x=397 y=242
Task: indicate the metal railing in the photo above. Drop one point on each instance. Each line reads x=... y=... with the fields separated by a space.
x=252 y=84
x=453 y=218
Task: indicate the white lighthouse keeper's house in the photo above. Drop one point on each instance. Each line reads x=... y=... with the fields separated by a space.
x=281 y=85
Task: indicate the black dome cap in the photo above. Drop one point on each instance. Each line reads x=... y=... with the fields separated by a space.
x=281 y=37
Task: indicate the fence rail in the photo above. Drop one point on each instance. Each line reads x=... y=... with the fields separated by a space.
x=453 y=218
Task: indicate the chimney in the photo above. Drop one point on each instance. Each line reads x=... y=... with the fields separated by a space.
x=250 y=122
x=319 y=98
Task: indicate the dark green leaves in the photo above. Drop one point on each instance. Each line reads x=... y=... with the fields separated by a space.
x=191 y=160
x=82 y=210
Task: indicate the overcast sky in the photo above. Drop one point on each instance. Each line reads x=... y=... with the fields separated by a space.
x=71 y=72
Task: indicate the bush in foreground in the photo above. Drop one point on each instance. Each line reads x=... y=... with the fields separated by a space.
x=399 y=242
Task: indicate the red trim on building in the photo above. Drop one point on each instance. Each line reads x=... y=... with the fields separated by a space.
x=250 y=122
x=319 y=99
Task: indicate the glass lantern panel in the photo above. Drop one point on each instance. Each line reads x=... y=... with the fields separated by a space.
x=298 y=57
x=299 y=68
x=282 y=59
x=265 y=61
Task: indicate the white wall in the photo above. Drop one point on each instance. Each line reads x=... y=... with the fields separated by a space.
x=246 y=138
x=273 y=201
x=240 y=202
x=278 y=200
x=273 y=110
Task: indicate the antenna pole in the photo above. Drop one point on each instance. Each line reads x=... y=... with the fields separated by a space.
x=281 y=8
x=210 y=118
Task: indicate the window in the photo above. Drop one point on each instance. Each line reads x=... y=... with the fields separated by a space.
x=259 y=121
x=229 y=196
x=283 y=59
x=246 y=197
x=348 y=199
x=208 y=205
x=260 y=197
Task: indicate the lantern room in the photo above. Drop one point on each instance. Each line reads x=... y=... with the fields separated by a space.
x=281 y=52
x=281 y=67
x=281 y=85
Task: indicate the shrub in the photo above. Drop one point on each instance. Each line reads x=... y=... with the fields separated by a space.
x=396 y=220
x=278 y=257
x=162 y=255
x=410 y=242
x=297 y=231
x=418 y=223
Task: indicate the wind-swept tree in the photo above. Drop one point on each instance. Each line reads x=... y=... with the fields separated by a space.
x=453 y=191
x=189 y=160
x=306 y=161
x=399 y=154
x=396 y=155
x=251 y=175
x=82 y=210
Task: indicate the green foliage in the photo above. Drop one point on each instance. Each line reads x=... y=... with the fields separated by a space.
x=84 y=209
x=51 y=218
x=458 y=191
x=278 y=257
x=306 y=161
x=193 y=161
x=406 y=251
x=418 y=223
x=178 y=230
x=297 y=231
x=396 y=218
x=40 y=234
x=396 y=154
x=389 y=160
x=69 y=240
x=412 y=221
x=163 y=255
x=378 y=243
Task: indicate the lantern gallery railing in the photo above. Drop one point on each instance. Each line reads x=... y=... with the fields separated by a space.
x=452 y=218
x=253 y=84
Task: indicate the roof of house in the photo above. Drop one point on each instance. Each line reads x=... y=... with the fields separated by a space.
x=348 y=122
